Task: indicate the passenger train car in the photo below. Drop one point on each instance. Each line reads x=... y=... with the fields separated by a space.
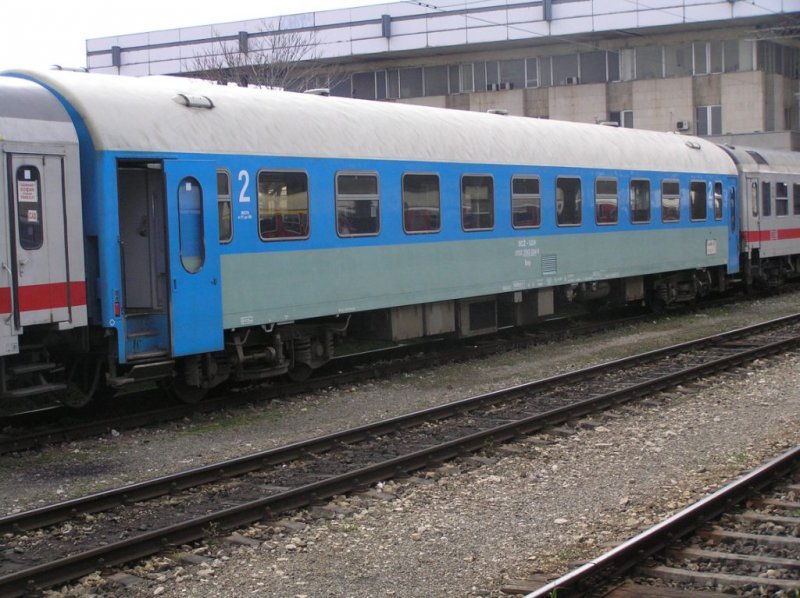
x=169 y=230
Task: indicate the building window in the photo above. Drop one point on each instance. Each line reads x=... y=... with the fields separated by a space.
x=623 y=118
x=364 y=86
x=781 y=199
x=526 y=202
x=410 y=83
x=640 y=201
x=718 y=201
x=649 y=62
x=357 y=204
x=565 y=69
x=512 y=74
x=531 y=72
x=421 y=211
x=568 y=201
x=435 y=80
x=224 y=206
x=709 y=120
x=282 y=205
x=678 y=60
x=593 y=67
x=606 y=199
x=670 y=201
x=393 y=84
x=697 y=200
x=467 y=78
x=766 y=199
x=477 y=202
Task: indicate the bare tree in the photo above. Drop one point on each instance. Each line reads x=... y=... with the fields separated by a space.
x=271 y=57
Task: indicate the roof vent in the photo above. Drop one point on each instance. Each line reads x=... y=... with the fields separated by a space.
x=192 y=101
x=757 y=157
x=693 y=145
x=608 y=123
x=499 y=111
x=320 y=91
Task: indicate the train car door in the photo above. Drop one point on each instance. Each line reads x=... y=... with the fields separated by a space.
x=729 y=195
x=40 y=282
x=194 y=266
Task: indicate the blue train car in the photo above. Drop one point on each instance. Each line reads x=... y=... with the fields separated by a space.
x=233 y=233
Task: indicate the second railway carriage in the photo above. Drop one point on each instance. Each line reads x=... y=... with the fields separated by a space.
x=231 y=233
x=770 y=214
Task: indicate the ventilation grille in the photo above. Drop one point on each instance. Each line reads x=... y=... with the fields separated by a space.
x=549 y=264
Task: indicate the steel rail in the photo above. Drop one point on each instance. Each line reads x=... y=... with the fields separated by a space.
x=145 y=544
x=630 y=553
x=100 y=501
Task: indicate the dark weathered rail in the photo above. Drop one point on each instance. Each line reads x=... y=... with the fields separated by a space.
x=289 y=477
x=593 y=577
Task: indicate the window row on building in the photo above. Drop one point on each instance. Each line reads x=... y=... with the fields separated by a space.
x=600 y=66
x=284 y=205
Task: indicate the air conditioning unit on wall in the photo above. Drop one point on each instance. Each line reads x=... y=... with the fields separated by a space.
x=572 y=81
x=683 y=125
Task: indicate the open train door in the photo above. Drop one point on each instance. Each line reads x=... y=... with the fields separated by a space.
x=194 y=268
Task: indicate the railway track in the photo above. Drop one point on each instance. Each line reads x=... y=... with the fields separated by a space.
x=743 y=539
x=52 y=425
x=62 y=542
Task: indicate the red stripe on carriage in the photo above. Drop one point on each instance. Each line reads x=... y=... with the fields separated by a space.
x=44 y=296
x=776 y=234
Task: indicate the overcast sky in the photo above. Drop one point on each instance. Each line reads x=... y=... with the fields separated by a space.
x=40 y=33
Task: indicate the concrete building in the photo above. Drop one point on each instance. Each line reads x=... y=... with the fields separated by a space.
x=725 y=69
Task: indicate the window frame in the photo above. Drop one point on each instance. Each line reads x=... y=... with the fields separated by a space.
x=525 y=196
x=766 y=199
x=184 y=215
x=579 y=211
x=718 y=197
x=781 y=200
x=308 y=203
x=491 y=201
x=597 y=194
x=631 y=209
x=670 y=195
x=704 y=203
x=225 y=199
x=438 y=201
x=39 y=235
x=337 y=196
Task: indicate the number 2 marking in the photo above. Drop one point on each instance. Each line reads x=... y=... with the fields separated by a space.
x=244 y=176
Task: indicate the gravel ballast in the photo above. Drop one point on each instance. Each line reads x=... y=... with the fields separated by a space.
x=469 y=527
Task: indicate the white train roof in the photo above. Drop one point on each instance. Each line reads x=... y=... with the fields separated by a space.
x=142 y=115
x=29 y=113
x=757 y=160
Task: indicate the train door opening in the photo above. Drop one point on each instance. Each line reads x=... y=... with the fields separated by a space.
x=38 y=264
x=142 y=238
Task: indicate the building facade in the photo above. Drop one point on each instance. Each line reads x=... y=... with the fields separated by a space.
x=723 y=69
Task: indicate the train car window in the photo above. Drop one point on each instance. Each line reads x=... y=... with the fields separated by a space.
x=190 y=225
x=477 y=202
x=766 y=199
x=640 y=201
x=754 y=197
x=29 y=207
x=717 y=201
x=224 y=206
x=781 y=199
x=606 y=200
x=282 y=205
x=796 y=198
x=698 y=200
x=357 y=205
x=670 y=201
x=421 y=203
x=568 y=201
x=526 y=202
x=733 y=208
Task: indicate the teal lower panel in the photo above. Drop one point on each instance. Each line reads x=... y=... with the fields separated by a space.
x=278 y=286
